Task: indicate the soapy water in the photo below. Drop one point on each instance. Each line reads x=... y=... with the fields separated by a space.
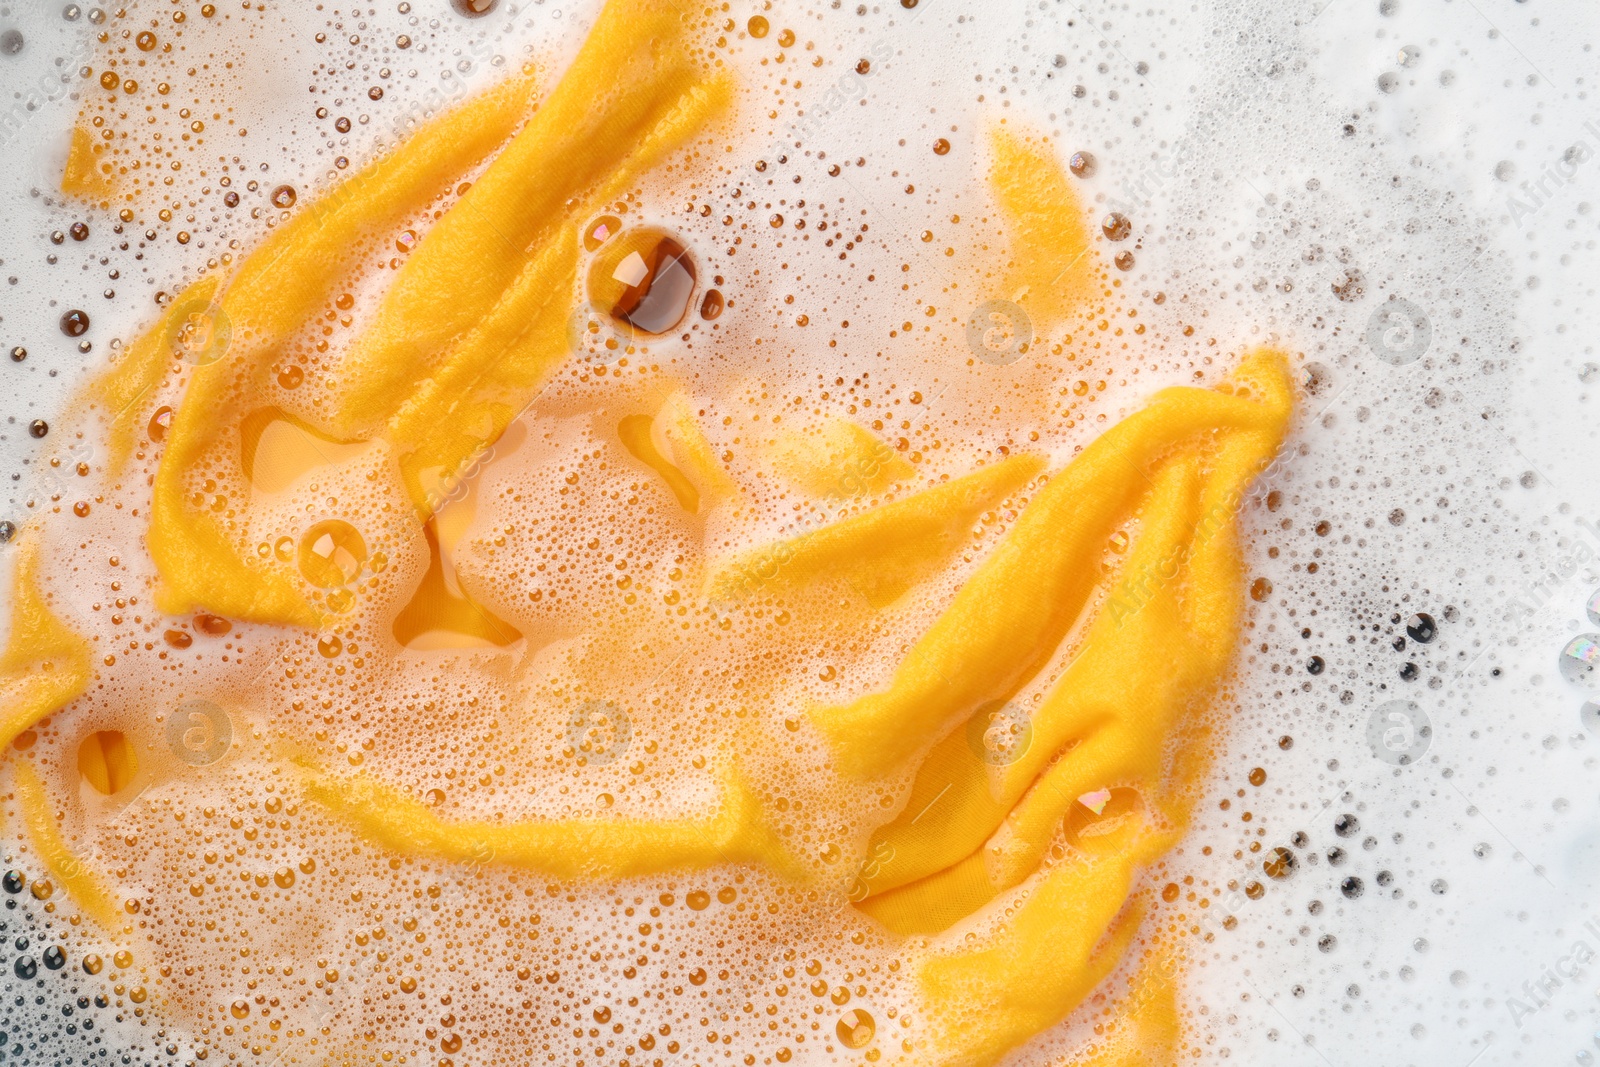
x=1382 y=187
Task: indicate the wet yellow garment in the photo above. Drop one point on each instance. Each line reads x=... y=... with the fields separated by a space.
x=884 y=551
x=39 y=819
x=45 y=664
x=1056 y=828
x=570 y=848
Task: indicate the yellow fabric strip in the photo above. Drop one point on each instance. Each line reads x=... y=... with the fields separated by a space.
x=1054 y=948
x=45 y=664
x=638 y=82
x=882 y=552
x=840 y=461
x=274 y=292
x=488 y=377
x=80 y=883
x=572 y=848
x=1012 y=614
x=1052 y=271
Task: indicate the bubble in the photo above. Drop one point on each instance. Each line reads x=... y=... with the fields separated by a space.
x=38 y=428
x=11 y=42
x=1082 y=164
x=643 y=279
x=13 y=881
x=1421 y=628
x=1388 y=82
x=332 y=554
x=55 y=957
x=473 y=9
x=1000 y=734
x=75 y=323
x=1580 y=661
x=1346 y=825
x=1279 y=864
x=284 y=197
x=25 y=967
x=758 y=26
x=1315 y=665
x=1116 y=226
x=856 y=1029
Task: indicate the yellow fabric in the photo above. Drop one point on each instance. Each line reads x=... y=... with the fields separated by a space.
x=880 y=553
x=1009 y=618
x=840 y=461
x=487 y=378
x=273 y=293
x=636 y=86
x=83 y=176
x=1144 y=1029
x=1052 y=271
x=80 y=883
x=472 y=325
x=691 y=452
x=45 y=664
x=570 y=848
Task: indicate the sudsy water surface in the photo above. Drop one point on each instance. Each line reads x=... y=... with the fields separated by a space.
x=1392 y=848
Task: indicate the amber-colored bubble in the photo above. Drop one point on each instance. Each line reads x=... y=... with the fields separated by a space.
x=645 y=278
x=711 y=306
x=284 y=877
x=1279 y=863
x=786 y=39
x=212 y=625
x=698 y=900
x=239 y=1009
x=758 y=26
x=600 y=231
x=92 y=964
x=1260 y=589
x=284 y=197
x=941 y=147
x=1258 y=776
x=332 y=554
x=856 y=1029
x=110 y=80
x=291 y=376
x=146 y=41
x=123 y=959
